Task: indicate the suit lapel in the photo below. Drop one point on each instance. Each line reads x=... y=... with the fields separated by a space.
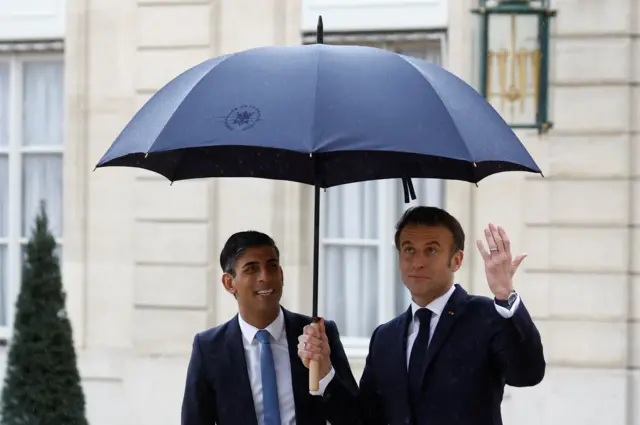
x=452 y=311
x=399 y=361
x=299 y=373
x=235 y=351
x=400 y=346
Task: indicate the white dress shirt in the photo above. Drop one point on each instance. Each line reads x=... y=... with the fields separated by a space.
x=437 y=306
x=280 y=350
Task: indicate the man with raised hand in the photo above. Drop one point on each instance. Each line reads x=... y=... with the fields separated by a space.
x=446 y=360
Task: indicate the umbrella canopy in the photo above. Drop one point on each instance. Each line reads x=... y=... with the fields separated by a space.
x=321 y=115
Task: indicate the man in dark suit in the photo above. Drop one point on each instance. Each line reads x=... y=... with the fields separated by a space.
x=246 y=371
x=447 y=359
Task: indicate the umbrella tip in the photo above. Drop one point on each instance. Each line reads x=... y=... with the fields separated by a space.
x=320 y=31
x=541 y=174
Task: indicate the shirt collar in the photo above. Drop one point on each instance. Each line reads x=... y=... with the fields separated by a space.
x=275 y=328
x=436 y=306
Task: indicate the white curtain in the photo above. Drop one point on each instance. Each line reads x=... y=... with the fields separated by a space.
x=4 y=218
x=42 y=104
x=4 y=184
x=4 y=140
x=350 y=278
x=4 y=196
x=4 y=104
x=42 y=123
x=42 y=180
x=3 y=284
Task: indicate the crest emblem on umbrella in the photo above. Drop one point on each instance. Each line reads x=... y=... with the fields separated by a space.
x=242 y=118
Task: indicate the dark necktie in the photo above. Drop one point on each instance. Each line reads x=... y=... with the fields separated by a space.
x=419 y=351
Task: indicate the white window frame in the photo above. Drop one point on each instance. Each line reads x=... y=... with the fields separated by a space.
x=388 y=194
x=15 y=149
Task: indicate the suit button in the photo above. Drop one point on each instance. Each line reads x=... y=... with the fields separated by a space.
x=407 y=420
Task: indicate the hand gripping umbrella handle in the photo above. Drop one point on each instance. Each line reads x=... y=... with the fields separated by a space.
x=314 y=366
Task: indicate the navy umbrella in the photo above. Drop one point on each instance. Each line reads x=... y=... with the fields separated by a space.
x=321 y=115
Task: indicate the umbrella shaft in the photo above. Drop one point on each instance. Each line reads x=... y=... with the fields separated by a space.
x=316 y=247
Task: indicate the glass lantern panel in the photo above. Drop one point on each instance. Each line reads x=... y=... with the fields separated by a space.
x=513 y=67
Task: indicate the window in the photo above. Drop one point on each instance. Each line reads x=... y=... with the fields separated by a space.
x=31 y=143
x=361 y=285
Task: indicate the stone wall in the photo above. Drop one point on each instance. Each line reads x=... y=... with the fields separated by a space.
x=141 y=257
x=578 y=224
x=141 y=265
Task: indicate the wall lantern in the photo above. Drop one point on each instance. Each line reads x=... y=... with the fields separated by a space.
x=514 y=60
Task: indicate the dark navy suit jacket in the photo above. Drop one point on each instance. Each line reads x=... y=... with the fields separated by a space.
x=217 y=387
x=474 y=352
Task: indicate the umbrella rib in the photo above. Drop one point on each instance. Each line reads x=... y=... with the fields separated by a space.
x=447 y=109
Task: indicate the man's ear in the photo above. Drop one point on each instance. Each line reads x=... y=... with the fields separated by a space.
x=456 y=261
x=227 y=282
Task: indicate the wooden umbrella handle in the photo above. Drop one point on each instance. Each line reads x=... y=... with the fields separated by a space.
x=314 y=366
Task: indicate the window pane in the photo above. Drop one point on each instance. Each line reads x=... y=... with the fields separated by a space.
x=351 y=211
x=4 y=104
x=42 y=180
x=402 y=294
x=43 y=103
x=349 y=292
x=428 y=50
x=4 y=195
x=4 y=280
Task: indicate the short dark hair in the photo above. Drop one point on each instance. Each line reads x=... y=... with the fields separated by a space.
x=238 y=243
x=431 y=216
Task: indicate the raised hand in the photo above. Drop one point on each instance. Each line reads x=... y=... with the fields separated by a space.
x=499 y=265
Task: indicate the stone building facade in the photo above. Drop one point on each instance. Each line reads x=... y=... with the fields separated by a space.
x=140 y=257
